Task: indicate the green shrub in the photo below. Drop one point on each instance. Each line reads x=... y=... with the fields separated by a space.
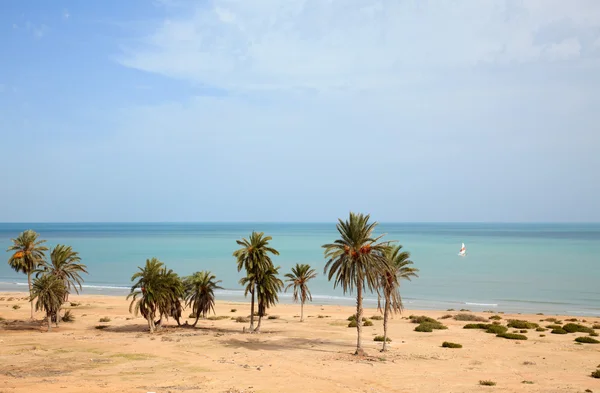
x=368 y=323
x=512 y=336
x=571 y=320
x=496 y=317
x=476 y=326
x=273 y=317
x=554 y=326
x=523 y=331
x=428 y=327
x=352 y=323
x=380 y=339
x=75 y=304
x=192 y=316
x=16 y=307
x=594 y=334
x=540 y=313
x=497 y=329
x=469 y=317
x=577 y=328
x=217 y=318
x=596 y=374
x=540 y=329
x=496 y=323
x=520 y=324
x=242 y=320
x=421 y=319
x=100 y=327
x=528 y=382
x=68 y=317
x=587 y=340
x=447 y=344
x=234 y=310
x=353 y=318
x=487 y=383
x=104 y=319
x=377 y=317
x=551 y=320
x=559 y=331
x=596 y=326
x=464 y=310
x=446 y=316
x=542 y=335
x=450 y=309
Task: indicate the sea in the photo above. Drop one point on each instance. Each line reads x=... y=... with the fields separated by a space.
x=527 y=268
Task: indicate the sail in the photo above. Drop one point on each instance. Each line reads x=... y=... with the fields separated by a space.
x=463 y=250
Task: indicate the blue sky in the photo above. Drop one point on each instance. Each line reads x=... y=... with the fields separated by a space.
x=299 y=110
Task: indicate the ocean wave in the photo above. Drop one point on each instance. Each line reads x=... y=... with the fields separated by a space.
x=482 y=304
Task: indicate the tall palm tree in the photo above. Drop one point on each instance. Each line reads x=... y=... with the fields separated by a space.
x=155 y=291
x=200 y=293
x=65 y=264
x=389 y=283
x=267 y=287
x=254 y=257
x=298 y=279
x=28 y=255
x=171 y=305
x=49 y=293
x=356 y=261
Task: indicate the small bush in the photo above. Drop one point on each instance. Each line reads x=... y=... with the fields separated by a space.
x=242 y=320
x=380 y=339
x=587 y=340
x=10 y=299
x=192 y=316
x=445 y=316
x=75 y=304
x=497 y=329
x=596 y=326
x=464 y=310
x=450 y=309
x=577 y=328
x=352 y=324
x=104 y=319
x=68 y=317
x=540 y=329
x=447 y=344
x=551 y=320
x=596 y=374
x=428 y=327
x=100 y=327
x=487 y=383
x=542 y=335
x=476 y=326
x=469 y=317
x=594 y=334
x=554 y=327
x=512 y=336
x=519 y=324
x=528 y=382
x=523 y=331
x=559 y=331
x=368 y=323
x=217 y=317
x=353 y=318
x=571 y=320
x=273 y=317
x=540 y=313
x=421 y=319
x=377 y=317
x=16 y=307
x=496 y=317
x=234 y=310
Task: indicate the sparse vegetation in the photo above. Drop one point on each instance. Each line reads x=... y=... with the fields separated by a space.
x=446 y=316
x=551 y=320
x=577 y=328
x=487 y=383
x=377 y=317
x=559 y=331
x=523 y=331
x=553 y=327
x=352 y=324
x=587 y=340
x=540 y=329
x=100 y=327
x=217 y=317
x=496 y=317
x=464 y=310
x=596 y=326
x=447 y=344
x=68 y=317
x=476 y=326
x=496 y=329
x=528 y=382
x=273 y=317
x=234 y=310
x=596 y=374
x=104 y=319
x=368 y=323
x=542 y=335
x=75 y=304
x=450 y=309
x=594 y=334
x=469 y=317
x=16 y=307
x=512 y=336
x=520 y=324
x=380 y=339
x=428 y=327
x=571 y=320
x=242 y=320
x=421 y=319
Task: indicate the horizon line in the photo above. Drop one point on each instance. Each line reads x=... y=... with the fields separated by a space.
x=295 y=222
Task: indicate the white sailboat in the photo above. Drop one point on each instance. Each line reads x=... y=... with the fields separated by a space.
x=463 y=251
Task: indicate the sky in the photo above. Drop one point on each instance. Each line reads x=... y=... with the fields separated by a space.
x=300 y=110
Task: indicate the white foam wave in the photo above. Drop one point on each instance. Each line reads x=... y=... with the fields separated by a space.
x=482 y=304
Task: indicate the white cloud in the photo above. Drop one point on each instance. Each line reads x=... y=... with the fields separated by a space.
x=359 y=44
x=38 y=31
x=66 y=14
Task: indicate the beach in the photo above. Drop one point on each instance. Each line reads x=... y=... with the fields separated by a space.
x=288 y=356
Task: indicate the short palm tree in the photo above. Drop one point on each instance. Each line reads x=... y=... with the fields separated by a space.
x=156 y=291
x=268 y=285
x=355 y=261
x=49 y=293
x=28 y=255
x=298 y=279
x=200 y=293
x=389 y=283
x=65 y=264
x=253 y=256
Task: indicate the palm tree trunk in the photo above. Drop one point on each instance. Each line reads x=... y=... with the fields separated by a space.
x=385 y=322
x=196 y=321
x=302 y=311
x=252 y=311
x=49 y=318
x=151 y=326
x=30 y=300
x=359 y=312
x=257 y=330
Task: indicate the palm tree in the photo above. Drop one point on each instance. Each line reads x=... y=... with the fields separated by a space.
x=267 y=287
x=254 y=258
x=156 y=290
x=49 y=293
x=298 y=279
x=389 y=283
x=171 y=305
x=65 y=264
x=356 y=261
x=27 y=257
x=200 y=293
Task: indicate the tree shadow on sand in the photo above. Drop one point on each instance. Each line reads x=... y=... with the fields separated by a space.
x=23 y=325
x=255 y=343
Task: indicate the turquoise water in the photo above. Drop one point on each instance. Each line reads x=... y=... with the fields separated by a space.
x=552 y=268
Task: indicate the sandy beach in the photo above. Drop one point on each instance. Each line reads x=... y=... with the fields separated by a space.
x=288 y=356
